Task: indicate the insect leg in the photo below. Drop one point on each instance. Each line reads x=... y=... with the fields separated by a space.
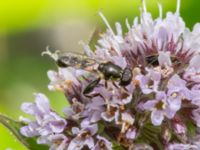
x=89 y=88
x=113 y=82
x=125 y=89
x=106 y=83
x=93 y=95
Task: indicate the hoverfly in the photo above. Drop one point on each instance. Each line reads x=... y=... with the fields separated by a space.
x=108 y=70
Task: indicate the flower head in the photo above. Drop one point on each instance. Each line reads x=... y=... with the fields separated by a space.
x=157 y=108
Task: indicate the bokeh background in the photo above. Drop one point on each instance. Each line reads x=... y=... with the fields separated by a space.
x=28 y=26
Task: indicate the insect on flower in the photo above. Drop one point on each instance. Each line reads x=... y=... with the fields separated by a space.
x=105 y=69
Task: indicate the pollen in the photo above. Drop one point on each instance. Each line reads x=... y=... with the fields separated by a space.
x=174 y=95
x=160 y=105
x=136 y=82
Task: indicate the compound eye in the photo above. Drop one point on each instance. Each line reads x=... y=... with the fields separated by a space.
x=62 y=63
x=126 y=77
x=101 y=66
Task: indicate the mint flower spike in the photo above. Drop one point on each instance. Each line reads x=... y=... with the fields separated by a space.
x=159 y=108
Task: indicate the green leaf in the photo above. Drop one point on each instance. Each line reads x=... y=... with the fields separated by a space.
x=191 y=128
x=151 y=135
x=101 y=128
x=117 y=146
x=14 y=127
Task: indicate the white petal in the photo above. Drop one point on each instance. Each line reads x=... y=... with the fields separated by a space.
x=157 y=117
x=194 y=62
x=42 y=103
x=164 y=58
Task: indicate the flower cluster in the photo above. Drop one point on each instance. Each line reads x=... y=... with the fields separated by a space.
x=158 y=109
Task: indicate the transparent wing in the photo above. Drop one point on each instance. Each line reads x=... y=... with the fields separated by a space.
x=94 y=36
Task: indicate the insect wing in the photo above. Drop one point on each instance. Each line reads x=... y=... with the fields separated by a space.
x=77 y=61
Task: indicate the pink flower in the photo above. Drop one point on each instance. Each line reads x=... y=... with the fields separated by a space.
x=159 y=108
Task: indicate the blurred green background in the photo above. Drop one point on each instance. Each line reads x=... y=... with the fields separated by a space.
x=27 y=27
